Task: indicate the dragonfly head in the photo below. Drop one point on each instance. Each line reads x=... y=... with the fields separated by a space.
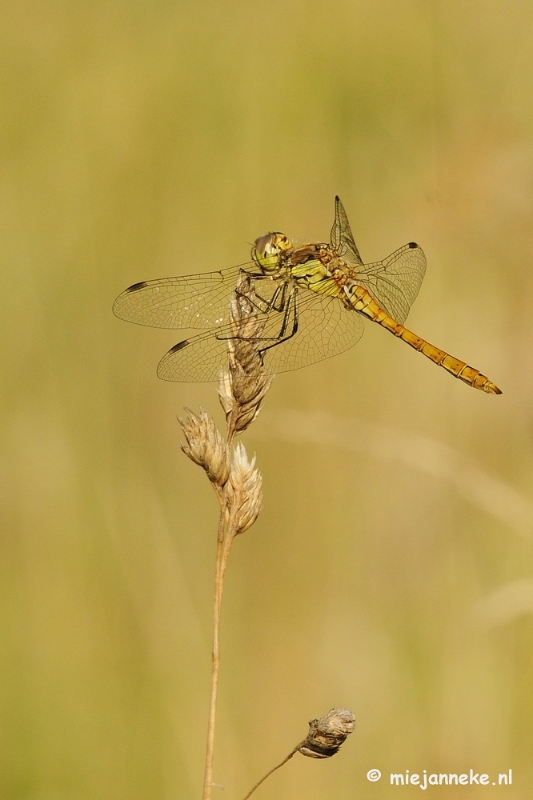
x=268 y=248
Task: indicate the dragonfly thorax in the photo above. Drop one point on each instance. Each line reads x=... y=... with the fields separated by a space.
x=269 y=249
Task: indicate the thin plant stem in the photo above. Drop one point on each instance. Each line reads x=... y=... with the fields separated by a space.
x=234 y=477
x=287 y=758
x=221 y=561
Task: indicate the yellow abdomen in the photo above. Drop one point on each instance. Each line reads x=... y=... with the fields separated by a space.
x=360 y=300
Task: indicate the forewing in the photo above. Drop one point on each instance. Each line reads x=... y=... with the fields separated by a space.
x=341 y=236
x=191 y=301
x=325 y=328
x=395 y=281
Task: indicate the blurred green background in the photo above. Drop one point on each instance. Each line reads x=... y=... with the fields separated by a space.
x=391 y=568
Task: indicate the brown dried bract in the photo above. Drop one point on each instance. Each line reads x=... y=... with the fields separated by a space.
x=244 y=490
x=206 y=446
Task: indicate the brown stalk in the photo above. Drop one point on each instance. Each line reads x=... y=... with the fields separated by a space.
x=287 y=758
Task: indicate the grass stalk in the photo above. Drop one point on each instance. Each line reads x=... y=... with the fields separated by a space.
x=234 y=477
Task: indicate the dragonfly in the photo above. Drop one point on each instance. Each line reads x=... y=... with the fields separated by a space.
x=310 y=301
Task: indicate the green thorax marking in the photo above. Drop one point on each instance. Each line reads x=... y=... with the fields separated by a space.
x=314 y=267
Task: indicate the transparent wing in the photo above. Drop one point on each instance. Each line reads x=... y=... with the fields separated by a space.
x=395 y=281
x=324 y=329
x=341 y=238
x=191 y=301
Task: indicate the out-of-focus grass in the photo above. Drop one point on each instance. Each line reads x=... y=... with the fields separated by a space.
x=141 y=140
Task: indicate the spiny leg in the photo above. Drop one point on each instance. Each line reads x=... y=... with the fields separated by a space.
x=283 y=336
x=289 y=322
x=276 y=303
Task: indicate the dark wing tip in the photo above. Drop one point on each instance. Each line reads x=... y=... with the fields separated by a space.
x=178 y=346
x=163 y=371
x=136 y=286
x=413 y=244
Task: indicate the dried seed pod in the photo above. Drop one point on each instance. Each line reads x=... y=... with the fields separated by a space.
x=323 y=740
x=328 y=733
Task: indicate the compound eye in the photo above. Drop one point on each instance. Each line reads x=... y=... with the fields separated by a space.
x=268 y=248
x=264 y=245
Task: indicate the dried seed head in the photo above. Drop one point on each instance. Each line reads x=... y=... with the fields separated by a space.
x=243 y=490
x=241 y=397
x=205 y=446
x=328 y=733
x=247 y=327
x=242 y=389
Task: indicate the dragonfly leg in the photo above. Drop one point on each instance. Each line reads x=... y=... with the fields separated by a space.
x=289 y=327
x=289 y=322
x=275 y=303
